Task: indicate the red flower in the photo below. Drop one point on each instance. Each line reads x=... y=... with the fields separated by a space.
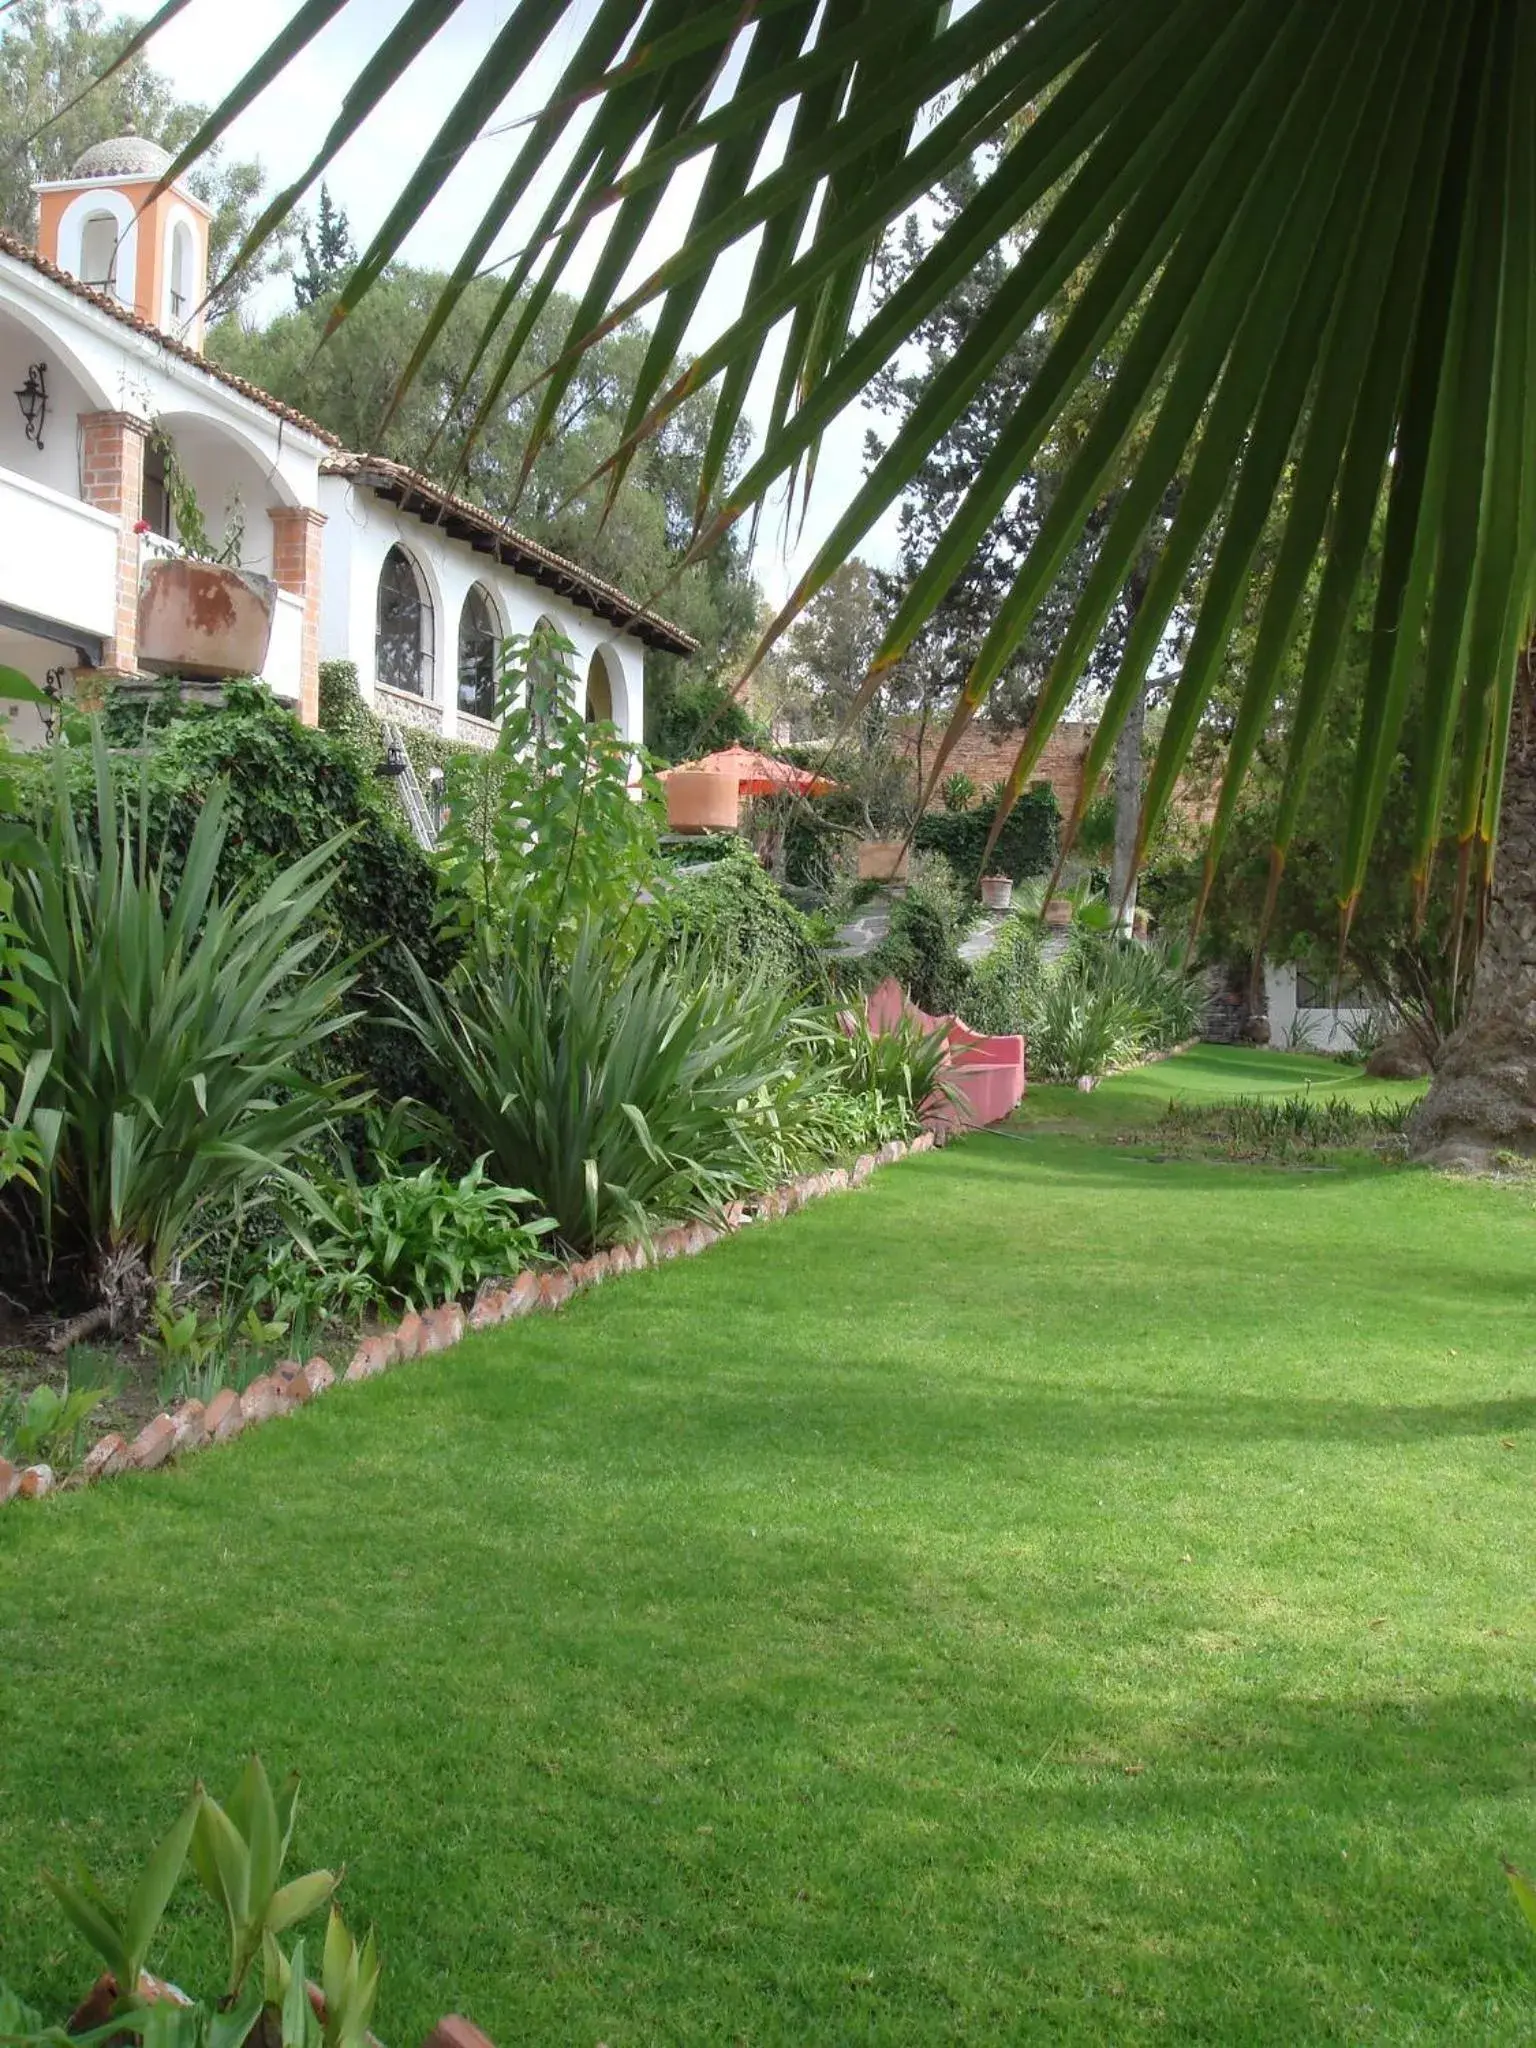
x=141 y=526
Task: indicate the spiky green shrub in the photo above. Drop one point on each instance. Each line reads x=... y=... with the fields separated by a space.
x=168 y=1054
x=617 y=1090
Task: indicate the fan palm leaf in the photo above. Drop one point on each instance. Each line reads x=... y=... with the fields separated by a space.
x=1309 y=227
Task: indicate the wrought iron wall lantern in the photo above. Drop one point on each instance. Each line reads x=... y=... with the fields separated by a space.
x=32 y=397
x=394 y=761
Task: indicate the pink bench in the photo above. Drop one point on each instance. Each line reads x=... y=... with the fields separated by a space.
x=986 y=1074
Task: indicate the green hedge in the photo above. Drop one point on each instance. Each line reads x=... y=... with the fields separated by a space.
x=738 y=917
x=1028 y=844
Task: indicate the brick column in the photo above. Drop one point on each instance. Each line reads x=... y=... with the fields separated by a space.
x=112 y=479
x=296 y=563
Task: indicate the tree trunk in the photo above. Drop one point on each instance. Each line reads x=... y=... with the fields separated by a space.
x=1483 y=1097
x=1122 y=873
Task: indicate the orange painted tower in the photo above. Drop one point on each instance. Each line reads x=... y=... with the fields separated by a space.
x=102 y=225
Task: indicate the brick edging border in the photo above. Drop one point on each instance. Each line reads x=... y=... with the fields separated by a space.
x=193 y=1425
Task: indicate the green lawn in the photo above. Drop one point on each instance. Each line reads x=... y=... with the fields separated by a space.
x=1052 y=1595
x=1207 y=1073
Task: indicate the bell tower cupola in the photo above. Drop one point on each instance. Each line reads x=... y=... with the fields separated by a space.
x=149 y=253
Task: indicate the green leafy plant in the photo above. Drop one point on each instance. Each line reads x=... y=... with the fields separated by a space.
x=237 y=1853
x=1280 y=1126
x=187 y=514
x=122 y=1935
x=1525 y=1893
x=18 y=848
x=619 y=1090
x=184 y=1339
x=350 y=1980
x=958 y=792
x=735 y=916
x=169 y=1045
x=416 y=1238
x=560 y=819
x=46 y=1427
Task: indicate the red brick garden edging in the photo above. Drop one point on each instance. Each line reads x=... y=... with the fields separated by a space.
x=192 y=1425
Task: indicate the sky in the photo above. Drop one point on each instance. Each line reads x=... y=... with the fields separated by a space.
x=210 y=45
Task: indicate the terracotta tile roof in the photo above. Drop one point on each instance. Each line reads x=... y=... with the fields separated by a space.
x=413 y=492
x=23 y=252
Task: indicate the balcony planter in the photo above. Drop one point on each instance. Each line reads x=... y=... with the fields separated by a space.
x=883 y=860
x=698 y=800
x=997 y=891
x=202 y=620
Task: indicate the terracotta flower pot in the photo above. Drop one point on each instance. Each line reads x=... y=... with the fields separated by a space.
x=883 y=860
x=203 y=620
x=700 y=801
x=997 y=891
x=1058 y=912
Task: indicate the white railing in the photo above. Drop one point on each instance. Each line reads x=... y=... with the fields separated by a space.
x=58 y=558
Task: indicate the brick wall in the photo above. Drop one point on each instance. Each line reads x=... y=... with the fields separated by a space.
x=112 y=479
x=296 y=567
x=987 y=754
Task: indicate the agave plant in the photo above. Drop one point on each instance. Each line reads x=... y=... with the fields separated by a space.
x=166 y=1050
x=617 y=1091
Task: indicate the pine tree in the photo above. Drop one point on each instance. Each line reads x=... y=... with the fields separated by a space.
x=328 y=253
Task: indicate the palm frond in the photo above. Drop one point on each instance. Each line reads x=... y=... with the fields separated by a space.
x=1308 y=226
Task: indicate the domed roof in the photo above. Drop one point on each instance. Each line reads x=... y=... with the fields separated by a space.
x=125 y=156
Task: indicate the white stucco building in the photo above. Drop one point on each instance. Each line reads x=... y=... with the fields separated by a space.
x=100 y=357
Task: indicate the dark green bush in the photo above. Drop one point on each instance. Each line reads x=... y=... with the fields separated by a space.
x=1028 y=845
x=740 y=922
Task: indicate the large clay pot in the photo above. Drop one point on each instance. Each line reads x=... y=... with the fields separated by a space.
x=1058 y=913
x=698 y=800
x=202 y=620
x=997 y=891
x=882 y=860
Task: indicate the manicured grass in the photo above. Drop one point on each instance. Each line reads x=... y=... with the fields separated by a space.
x=1206 y=1073
x=1053 y=1595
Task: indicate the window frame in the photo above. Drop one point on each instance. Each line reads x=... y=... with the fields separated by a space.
x=385 y=669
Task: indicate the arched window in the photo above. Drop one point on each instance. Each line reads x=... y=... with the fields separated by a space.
x=181 y=272
x=402 y=653
x=599 y=709
x=98 y=252
x=479 y=638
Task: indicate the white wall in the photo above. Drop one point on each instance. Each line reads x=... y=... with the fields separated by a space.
x=1311 y=1028
x=360 y=530
x=58 y=558
x=112 y=367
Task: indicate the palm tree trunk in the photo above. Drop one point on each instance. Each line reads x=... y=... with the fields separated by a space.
x=1483 y=1098
x=1128 y=780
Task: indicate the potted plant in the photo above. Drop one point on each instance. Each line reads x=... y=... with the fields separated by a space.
x=997 y=891
x=1058 y=912
x=201 y=615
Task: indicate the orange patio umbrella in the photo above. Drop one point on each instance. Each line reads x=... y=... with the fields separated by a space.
x=757 y=774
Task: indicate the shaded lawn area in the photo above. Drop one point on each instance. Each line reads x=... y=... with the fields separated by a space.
x=1050 y=1595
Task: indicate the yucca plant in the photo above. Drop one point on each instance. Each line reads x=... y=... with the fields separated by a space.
x=166 y=1054
x=618 y=1091
x=1301 y=232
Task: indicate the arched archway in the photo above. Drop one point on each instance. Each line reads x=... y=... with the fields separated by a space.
x=404 y=634
x=99 y=242
x=599 y=704
x=480 y=637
